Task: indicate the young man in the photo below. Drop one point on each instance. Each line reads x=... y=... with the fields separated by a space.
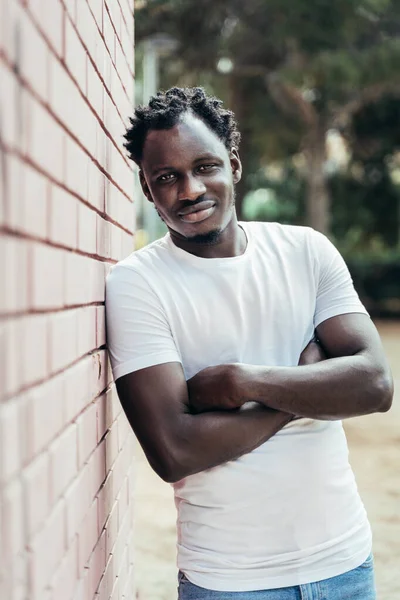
x=208 y=333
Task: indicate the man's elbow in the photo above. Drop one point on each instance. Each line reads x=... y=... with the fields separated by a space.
x=384 y=391
x=171 y=467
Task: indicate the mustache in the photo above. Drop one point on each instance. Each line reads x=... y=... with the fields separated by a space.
x=189 y=203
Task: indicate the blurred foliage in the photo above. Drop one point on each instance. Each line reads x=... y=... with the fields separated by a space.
x=291 y=71
x=297 y=69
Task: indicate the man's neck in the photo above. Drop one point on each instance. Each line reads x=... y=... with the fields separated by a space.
x=231 y=242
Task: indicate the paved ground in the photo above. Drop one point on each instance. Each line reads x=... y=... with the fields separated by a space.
x=374 y=443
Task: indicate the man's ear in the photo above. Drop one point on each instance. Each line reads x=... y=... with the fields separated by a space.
x=145 y=187
x=236 y=165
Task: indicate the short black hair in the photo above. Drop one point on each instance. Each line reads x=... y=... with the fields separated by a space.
x=165 y=109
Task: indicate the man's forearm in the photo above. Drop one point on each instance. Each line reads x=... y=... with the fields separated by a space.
x=210 y=439
x=330 y=390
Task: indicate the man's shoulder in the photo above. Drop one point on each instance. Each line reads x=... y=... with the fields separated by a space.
x=277 y=233
x=141 y=262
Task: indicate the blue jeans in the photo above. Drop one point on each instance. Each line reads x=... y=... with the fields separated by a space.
x=357 y=584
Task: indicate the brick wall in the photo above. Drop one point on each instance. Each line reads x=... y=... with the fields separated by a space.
x=66 y=214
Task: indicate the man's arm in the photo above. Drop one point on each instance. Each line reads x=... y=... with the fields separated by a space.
x=356 y=380
x=177 y=443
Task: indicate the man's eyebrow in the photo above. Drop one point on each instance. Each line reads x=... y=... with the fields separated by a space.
x=158 y=169
x=207 y=156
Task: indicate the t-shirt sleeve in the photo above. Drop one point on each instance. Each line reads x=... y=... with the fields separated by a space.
x=335 y=290
x=138 y=333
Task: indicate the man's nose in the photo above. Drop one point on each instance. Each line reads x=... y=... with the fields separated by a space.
x=191 y=187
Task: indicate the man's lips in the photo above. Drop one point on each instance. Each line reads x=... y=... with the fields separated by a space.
x=197 y=212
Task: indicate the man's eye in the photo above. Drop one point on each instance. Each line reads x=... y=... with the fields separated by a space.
x=203 y=168
x=166 y=177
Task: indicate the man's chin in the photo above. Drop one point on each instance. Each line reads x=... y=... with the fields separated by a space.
x=206 y=239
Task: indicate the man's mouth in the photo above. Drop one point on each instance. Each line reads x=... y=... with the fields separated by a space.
x=197 y=212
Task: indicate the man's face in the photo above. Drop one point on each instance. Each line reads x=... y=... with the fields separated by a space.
x=189 y=175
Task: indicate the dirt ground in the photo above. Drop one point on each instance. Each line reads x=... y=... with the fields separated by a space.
x=374 y=443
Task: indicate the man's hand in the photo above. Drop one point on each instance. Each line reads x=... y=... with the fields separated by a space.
x=312 y=353
x=215 y=388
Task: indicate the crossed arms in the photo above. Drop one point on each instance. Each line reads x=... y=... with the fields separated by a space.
x=187 y=427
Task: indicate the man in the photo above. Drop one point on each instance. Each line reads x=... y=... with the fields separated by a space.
x=207 y=328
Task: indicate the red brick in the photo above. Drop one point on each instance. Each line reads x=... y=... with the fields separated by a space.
x=106 y=583
x=123 y=175
x=87 y=219
x=10 y=435
x=65 y=578
x=115 y=129
x=86 y=330
x=36 y=481
x=111 y=446
x=106 y=499
x=107 y=70
x=108 y=409
x=63 y=461
x=118 y=93
x=109 y=34
x=50 y=21
x=115 y=15
x=33 y=61
x=123 y=70
x=14 y=269
x=63 y=339
x=127 y=21
x=84 y=489
x=127 y=244
x=97 y=565
x=111 y=528
x=50 y=155
x=95 y=186
x=84 y=280
x=100 y=326
x=9 y=106
x=121 y=541
x=76 y=171
x=34 y=348
x=95 y=90
x=77 y=392
x=75 y=55
x=87 y=433
x=47 y=549
x=45 y=410
x=35 y=189
x=47 y=276
x=11 y=346
x=87 y=27
x=96 y=6
x=12 y=513
x=9 y=15
x=101 y=371
x=70 y=7
x=63 y=217
x=88 y=536
x=13 y=200
x=118 y=207
x=103 y=237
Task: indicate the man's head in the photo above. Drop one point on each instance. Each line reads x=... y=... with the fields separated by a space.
x=186 y=145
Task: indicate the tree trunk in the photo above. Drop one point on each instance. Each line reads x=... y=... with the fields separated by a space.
x=317 y=199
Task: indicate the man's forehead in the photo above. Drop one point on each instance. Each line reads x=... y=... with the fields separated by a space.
x=190 y=136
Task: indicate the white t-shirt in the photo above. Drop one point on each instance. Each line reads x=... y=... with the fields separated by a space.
x=287 y=513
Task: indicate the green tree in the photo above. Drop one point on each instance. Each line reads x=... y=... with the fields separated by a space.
x=298 y=69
